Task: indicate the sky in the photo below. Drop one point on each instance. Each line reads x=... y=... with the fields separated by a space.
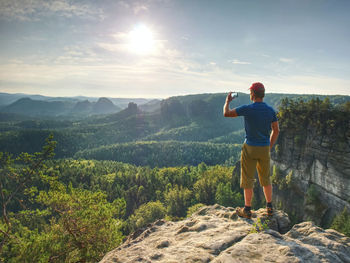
x=163 y=48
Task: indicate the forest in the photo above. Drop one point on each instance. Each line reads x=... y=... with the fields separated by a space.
x=77 y=201
x=70 y=210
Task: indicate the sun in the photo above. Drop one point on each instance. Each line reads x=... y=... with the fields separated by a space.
x=141 y=40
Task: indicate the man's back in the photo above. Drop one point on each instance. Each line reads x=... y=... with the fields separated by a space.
x=258 y=117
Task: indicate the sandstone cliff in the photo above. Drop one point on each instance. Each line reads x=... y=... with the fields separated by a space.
x=313 y=174
x=217 y=234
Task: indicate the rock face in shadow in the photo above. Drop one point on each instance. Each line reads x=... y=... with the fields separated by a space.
x=217 y=234
x=320 y=163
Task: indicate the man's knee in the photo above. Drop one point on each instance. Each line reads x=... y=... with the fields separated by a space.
x=265 y=180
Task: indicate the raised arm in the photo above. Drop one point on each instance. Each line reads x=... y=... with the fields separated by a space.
x=226 y=110
x=274 y=133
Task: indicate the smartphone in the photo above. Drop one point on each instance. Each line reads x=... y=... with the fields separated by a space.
x=234 y=95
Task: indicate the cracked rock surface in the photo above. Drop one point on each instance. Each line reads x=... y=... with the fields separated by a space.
x=216 y=234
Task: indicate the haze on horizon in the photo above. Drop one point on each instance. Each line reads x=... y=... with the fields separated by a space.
x=162 y=48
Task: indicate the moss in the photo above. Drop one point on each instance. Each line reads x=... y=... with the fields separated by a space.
x=289 y=179
x=279 y=179
x=277 y=149
x=312 y=195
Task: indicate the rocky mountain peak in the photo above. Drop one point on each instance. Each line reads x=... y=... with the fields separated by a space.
x=82 y=106
x=216 y=234
x=103 y=106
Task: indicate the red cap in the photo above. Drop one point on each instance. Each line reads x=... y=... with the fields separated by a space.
x=257 y=86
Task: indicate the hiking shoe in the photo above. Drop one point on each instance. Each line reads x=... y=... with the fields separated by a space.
x=269 y=211
x=243 y=213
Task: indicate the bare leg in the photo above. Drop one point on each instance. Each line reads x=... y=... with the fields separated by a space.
x=268 y=193
x=248 y=194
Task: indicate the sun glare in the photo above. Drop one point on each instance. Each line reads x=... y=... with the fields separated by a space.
x=141 y=40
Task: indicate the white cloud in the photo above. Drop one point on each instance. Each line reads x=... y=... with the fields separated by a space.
x=287 y=60
x=149 y=77
x=77 y=55
x=239 y=62
x=135 y=7
x=113 y=47
x=138 y=8
x=312 y=84
x=28 y=10
x=120 y=36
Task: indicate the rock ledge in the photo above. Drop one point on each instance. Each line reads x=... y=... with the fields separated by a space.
x=216 y=234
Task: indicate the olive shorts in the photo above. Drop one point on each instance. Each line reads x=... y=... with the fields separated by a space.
x=255 y=157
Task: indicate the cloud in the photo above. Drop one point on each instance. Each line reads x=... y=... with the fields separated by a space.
x=81 y=71
x=113 y=47
x=34 y=10
x=138 y=8
x=287 y=60
x=310 y=84
x=238 y=62
x=77 y=55
x=159 y=76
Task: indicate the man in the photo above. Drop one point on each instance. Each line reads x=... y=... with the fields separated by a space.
x=259 y=120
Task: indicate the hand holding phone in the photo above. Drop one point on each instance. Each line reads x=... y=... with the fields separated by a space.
x=234 y=94
x=231 y=95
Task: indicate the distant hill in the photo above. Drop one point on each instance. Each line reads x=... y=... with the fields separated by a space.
x=104 y=106
x=68 y=108
x=124 y=102
x=82 y=107
x=30 y=107
x=192 y=118
x=131 y=111
x=8 y=98
x=151 y=106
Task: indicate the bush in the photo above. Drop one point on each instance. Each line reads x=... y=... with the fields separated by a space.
x=341 y=223
x=191 y=210
x=87 y=224
x=259 y=226
x=177 y=200
x=224 y=195
x=146 y=214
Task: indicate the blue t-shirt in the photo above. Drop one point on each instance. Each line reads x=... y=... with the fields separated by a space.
x=258 y=117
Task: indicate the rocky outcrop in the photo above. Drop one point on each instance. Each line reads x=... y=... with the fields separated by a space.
x=217 y=234
x=104 y=106
x=320 y=162
x=82 y=107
